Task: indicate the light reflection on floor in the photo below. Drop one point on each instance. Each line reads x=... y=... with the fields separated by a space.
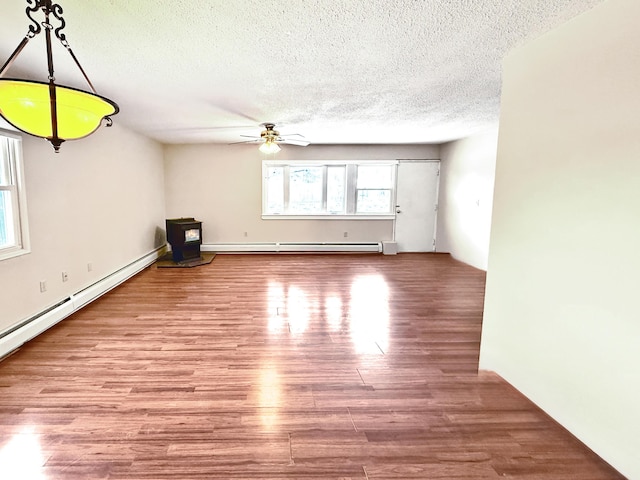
x=299 y=309
x=360 y=314
x=369 y=314
x=270 y=390
x=363 y=311
x=333 y=312
x=22 y=457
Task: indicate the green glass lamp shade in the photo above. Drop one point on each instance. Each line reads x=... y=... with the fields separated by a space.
x=27 y=106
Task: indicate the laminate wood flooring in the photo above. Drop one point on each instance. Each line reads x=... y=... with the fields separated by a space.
x=278 y=367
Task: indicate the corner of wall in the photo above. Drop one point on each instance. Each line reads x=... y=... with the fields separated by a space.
x=466 y=197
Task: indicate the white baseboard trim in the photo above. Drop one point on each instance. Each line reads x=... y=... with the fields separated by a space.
x=35 y=325
x=291 y=247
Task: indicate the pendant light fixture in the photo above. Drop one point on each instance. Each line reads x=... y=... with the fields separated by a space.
x=46 y=109
x=269 y=146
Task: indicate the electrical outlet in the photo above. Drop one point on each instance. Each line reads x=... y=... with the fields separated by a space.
x=43 y=286
x=65 y=276
x=346 y=234
x=89 y=267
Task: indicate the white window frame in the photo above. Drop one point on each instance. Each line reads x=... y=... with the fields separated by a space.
x=351 y=167
x=17 y=191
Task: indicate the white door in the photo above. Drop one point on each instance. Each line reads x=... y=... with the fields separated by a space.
x=416 y=205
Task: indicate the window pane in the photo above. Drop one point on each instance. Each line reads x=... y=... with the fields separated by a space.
x=373 y=201
x=11 y=222
x=7 y=234
x=305 y=190
x=335 y=189
x=375 y=176
x=5 y=167
x=275 y=190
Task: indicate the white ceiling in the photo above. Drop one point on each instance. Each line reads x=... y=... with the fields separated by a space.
x=336 y=71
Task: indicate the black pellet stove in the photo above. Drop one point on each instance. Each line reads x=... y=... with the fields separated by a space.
x=185 y=237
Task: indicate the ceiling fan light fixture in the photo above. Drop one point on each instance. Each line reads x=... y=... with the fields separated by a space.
x=269 y=147
x=270 y=138
x=46 y=109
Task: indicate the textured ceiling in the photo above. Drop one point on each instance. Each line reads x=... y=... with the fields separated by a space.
x=336 y=71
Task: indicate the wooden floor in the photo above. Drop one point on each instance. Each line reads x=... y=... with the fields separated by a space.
x=278 y=367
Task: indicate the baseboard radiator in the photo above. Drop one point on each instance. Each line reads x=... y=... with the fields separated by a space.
x=29 y=328
x=282 y=247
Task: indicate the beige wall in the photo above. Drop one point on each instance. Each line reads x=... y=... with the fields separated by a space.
x=221 y=186
x=562 y=321
x=467 y=172
x=100 y=200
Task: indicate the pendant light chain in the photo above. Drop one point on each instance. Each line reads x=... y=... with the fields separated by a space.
x=33 y=31
x=57 y=12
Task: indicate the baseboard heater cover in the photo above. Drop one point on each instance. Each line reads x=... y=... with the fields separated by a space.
x=33 y=326
x=291 y=247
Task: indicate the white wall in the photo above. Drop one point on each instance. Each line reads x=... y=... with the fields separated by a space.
x=562 y=318
x=100 y=200
x=221 y=186
x=467 y=171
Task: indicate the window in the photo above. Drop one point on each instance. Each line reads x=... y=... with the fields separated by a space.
x=13 y=222
x=374 y=188
x=347 y=188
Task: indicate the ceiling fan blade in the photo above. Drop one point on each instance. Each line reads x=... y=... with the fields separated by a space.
x=251 y=136
x=292 y=135
x=290 y=141
x=257 y=140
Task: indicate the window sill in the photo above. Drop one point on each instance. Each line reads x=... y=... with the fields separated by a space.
x=330 y=217
x=13 y=252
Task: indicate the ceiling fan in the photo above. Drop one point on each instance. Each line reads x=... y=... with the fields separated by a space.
x=270 y=138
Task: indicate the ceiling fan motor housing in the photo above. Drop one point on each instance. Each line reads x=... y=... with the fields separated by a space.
x=269 y=133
